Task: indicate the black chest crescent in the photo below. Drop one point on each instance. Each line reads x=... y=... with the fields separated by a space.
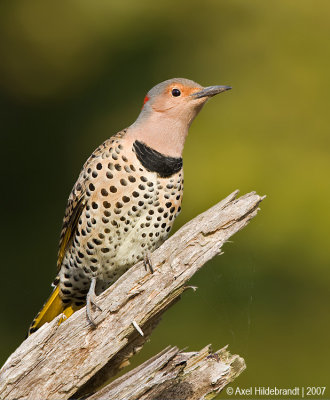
x=153 y=161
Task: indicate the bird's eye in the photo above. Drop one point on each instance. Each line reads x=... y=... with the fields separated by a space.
x=176 y=92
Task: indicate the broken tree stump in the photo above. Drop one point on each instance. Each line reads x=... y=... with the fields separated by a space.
x=72 y=360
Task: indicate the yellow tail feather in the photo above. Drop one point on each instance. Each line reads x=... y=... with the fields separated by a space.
x=52 y=308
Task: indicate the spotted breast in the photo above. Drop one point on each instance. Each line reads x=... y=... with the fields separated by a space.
x=129 y=199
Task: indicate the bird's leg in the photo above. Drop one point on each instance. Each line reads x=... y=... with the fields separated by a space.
x=90 y=300
x=147 y=263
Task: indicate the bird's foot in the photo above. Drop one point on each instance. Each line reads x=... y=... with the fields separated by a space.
x=148 y=263
x=91 y=301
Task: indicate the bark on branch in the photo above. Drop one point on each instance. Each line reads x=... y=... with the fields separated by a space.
x=173 y=375
x=73 y=359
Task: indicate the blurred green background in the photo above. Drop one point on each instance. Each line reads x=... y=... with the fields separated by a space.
x=74 y=73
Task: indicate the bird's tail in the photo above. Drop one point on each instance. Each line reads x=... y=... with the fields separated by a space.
x=51 y=309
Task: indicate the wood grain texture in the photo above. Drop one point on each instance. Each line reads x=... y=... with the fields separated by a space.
x=176 y=375
x=73 y=359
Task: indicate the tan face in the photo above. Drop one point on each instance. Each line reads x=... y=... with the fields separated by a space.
x=168 y=111
x=177 y=96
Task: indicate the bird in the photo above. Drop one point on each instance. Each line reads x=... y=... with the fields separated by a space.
x=125 y=200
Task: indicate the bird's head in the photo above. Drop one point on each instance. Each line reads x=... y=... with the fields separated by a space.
x=178 y=99
x=168 y=111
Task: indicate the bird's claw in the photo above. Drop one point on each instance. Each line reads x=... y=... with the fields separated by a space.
x=91 y=301
x=147 y=263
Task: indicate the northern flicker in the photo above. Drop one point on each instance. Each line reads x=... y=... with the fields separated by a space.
x=126 y=198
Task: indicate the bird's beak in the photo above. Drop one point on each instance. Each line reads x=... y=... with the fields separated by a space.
x=210 y=91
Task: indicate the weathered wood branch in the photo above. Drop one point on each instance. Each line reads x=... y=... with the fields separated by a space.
x=175 y=375
x=72 y=360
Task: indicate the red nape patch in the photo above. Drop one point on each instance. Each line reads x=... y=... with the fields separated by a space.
x=145 y=100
